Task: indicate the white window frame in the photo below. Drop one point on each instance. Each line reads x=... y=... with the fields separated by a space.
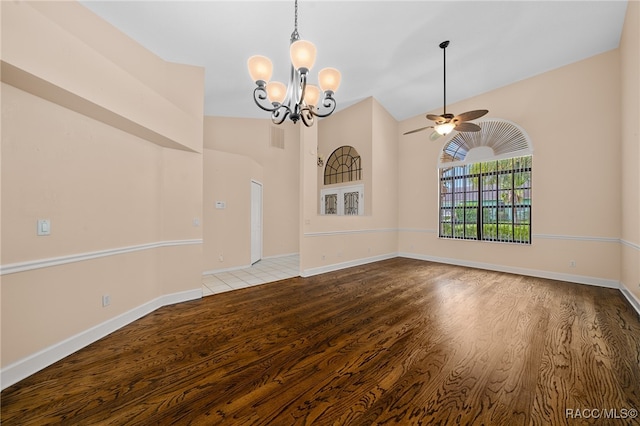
x=340 y=191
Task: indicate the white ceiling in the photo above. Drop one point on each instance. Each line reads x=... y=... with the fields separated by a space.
x=385 y=49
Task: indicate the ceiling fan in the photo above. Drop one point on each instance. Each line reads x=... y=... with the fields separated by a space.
x=446 y=122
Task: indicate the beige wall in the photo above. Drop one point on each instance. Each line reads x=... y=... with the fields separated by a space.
x=237 y=151
x=353 y=127
x=85 y=49
x=576 y=178
x=384 y=166
x=181 y=210
x=330 y=242
x=630 y=155
x=93 y=159
x=227 y=236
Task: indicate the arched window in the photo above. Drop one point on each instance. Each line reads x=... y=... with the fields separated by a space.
x=485 y=184
x=343 y=165
x=497 y=139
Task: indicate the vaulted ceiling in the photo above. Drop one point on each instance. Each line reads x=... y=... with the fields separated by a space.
x=385 y=49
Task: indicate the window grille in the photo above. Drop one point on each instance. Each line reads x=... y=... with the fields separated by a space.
x=343 y=165
x=331 y=204
x=351 y=200
x=496 y=139
x=489 y=201
x=342 y=200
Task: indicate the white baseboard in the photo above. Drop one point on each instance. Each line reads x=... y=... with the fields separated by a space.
x=633 y=300
x=337 y=266
x=25 y=367
x=579 y=279
x=218 y=271
x=236 y=268
x=277 y=256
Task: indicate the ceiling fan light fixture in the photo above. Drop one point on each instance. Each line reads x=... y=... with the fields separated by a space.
x=445 y=123
x=445 y=128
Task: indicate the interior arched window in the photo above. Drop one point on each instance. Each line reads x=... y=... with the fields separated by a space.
x=343 y=165
x=485 y=184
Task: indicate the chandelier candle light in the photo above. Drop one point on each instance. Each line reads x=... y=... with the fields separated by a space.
x=299 y=100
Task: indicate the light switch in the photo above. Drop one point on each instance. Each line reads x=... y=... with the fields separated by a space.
x=44 y=227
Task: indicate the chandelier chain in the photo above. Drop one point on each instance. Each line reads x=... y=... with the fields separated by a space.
x=294 y=34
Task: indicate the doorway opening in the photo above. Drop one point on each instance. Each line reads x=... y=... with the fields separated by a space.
x=256 y=221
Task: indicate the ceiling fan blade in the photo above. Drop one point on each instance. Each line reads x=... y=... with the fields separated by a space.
x=417 y=130
x=471 y=115
x=434 y=136
x=437 y=118
x=467 y=127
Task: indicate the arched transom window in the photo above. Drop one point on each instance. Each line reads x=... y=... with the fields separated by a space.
x=343 y=165
x=497 y=139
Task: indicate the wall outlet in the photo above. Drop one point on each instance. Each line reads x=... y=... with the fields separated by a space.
x=572 y=263
x=221 y=258
x=106 y=300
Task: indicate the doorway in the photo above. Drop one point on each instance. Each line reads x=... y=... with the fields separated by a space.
x=256 y=221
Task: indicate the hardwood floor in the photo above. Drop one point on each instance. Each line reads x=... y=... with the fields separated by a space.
x=395 y=342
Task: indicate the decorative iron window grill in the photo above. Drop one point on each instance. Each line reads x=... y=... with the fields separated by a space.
x=331 y=204
x=351 y=200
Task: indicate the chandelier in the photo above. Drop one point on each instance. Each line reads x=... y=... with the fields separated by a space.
x=298 y=100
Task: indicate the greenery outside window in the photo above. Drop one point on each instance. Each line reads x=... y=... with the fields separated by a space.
x=488 y=201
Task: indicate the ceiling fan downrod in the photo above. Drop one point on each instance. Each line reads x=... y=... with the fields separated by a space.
x=445 y=123
x=443 y=46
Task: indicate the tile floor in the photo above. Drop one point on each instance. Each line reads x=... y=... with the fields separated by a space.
x=264 y=271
